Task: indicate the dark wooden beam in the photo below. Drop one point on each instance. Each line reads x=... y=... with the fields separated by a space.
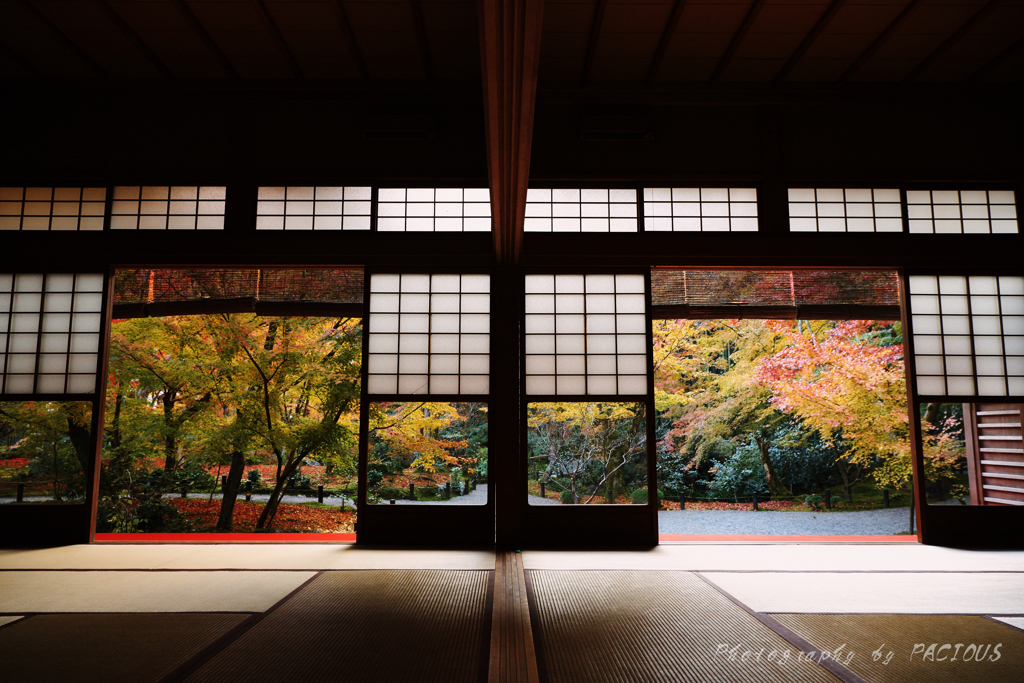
x=880 y=40
x=128 y=32
x=350 y=38
x=275 y=32
x=952 y=40
x=510 y=33
x=998 y=59
x=666 y=39
x=205 y=37
x=68 y=43
x=595 y=34
x=421 y=38
x=734 y=44
x=823 y=21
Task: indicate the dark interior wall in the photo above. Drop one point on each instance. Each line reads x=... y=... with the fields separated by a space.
x=267 y=132
x=880 y=133
x=145 y=134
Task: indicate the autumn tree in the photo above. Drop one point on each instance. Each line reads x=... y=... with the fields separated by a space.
x=704 y=386
x=587 y=447
x=296 y=379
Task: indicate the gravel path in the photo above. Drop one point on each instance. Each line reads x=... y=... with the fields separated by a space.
x=866 y=522
x=477 y=497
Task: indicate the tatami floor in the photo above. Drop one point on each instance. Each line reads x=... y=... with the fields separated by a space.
x=688 y=612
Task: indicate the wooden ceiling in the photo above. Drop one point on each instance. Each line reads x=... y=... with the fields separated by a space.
x=583 y=41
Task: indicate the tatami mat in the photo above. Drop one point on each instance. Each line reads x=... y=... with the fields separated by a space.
x=8 y=620
x=367 y=626
x=922 y=647
x=312 y=556
x=112 y=648
x=787 y=557
x=620 y=627
x=876 y=593
x=97 y=591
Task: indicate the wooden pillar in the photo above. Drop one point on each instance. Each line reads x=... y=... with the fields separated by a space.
x=509 y=47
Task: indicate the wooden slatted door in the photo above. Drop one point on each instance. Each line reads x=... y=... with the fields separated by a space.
x=995 y=453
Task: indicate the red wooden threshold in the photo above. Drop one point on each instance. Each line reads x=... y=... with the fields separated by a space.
x=705 y=538
x=221 y=538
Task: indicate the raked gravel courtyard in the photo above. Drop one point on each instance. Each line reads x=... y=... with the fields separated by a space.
x=864 y=522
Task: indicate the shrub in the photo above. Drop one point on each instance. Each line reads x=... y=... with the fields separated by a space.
x=566 y=498
x=255 y=477
x=392 y=493
x=155 y=515
x=639 y=497
x=814 y=501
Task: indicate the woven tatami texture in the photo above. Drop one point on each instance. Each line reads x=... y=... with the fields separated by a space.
x=113 y=648
x=365 y=627
x=908 y=637
x=623 y=626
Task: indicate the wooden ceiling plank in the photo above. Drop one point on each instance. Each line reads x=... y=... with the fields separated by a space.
x=878 y=42
x=207 y=40
x=998 y=60
x=823 y=21
x=9 y=53
x=595 y=34
x=275 y=32
x=350 y=37
x=967 y=27
x=737 y=38
x=128 y=32
x=510 y=34
x=421 y=38
x=66 y=40
x=666 y=38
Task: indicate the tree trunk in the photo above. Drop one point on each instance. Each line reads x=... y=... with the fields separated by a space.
x=266 y=519
x=170 y=441
x=227 y=504
x=775 y=485
x=81 y=440
x=844 y=472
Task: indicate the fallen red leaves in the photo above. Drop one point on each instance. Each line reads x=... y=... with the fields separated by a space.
x=294 y=518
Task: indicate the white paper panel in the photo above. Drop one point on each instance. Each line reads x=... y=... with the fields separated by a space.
x=845 y=210
x=962 y=211
x=434 y=210
x=50 y=325
x=577 y=210
x=968 y=333
x=429 y=334
x=585 y=335
x=168 y=208
x=52 y=208
x=313 y=208
x=705 y=209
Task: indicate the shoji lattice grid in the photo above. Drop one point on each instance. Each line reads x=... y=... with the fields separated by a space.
x=586 y=335
x=443 y=209
x=845 y=210
x=52 y=208
x=968 y=335
x=580 y=211
x=704 y=209
x=313 y=208
x=429 y=334
x=50 y=332
x=962 y=211
x=168 y=208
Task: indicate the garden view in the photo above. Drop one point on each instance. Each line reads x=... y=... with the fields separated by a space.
x=238 y=422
